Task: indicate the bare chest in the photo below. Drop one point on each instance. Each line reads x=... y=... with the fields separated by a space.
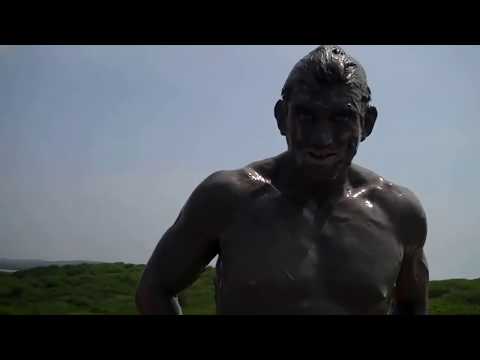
x=342 y=261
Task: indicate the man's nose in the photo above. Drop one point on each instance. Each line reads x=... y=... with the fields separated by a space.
x=322 y=135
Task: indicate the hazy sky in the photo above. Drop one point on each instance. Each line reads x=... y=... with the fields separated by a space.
x=100 y=146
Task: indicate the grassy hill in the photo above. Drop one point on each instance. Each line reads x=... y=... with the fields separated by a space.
x=106 y=288
x=23 y=264
x=109 y=289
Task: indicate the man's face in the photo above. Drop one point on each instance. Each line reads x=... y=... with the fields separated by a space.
x=323 y=129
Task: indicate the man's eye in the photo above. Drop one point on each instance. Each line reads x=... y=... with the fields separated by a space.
x=343 y=118
x=305 y=116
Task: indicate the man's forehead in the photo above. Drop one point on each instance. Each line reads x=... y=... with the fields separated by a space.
x=337 y=96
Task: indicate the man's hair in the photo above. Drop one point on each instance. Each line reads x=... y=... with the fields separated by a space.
x=328 y=64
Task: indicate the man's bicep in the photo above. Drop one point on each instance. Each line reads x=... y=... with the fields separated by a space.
x=179 y=257
x=192 y=241
x=411 y=292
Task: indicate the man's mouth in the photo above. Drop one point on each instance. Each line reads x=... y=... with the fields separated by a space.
x=322 y=156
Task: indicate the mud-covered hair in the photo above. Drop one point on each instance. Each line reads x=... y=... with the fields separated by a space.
x=328 y=64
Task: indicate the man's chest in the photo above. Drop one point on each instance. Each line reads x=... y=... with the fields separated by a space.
x=302 y=254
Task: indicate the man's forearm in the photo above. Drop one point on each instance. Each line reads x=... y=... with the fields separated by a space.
x=157 y=303
x=409 y=309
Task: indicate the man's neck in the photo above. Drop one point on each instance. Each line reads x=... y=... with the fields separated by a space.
x=301 y=188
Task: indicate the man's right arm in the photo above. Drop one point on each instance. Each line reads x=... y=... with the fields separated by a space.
x=187 y=247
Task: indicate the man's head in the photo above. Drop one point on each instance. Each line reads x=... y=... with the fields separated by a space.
x=324 y=112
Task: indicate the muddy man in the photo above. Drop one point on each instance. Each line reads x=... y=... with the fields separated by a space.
x=306 y=231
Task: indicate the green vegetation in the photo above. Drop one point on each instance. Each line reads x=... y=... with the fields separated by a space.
x=24 y=264
x=455 y=297
x=110 y=288
x=90 y=289
x=70 y=289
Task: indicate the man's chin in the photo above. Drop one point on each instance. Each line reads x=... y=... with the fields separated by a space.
x=323 y=172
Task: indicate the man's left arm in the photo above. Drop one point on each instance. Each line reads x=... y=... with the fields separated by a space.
x=411 y=291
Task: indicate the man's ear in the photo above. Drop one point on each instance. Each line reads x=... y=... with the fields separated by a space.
x=369 y=121
x=281 y=116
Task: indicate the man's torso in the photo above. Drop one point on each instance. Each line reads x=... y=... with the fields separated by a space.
x=281 y=257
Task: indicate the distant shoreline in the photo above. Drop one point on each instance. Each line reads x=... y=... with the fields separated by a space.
x=25 y=264
x=8 y=271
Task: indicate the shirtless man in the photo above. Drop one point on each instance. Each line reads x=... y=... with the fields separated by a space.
x=307 y=231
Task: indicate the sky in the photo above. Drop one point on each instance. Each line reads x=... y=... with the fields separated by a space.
x=100 y=146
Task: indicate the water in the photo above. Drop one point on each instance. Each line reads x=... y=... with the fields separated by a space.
x=7 y=271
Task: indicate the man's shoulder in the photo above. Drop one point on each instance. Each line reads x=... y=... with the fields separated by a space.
x=399 y=196
x=401 y=203
x=235 y=183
